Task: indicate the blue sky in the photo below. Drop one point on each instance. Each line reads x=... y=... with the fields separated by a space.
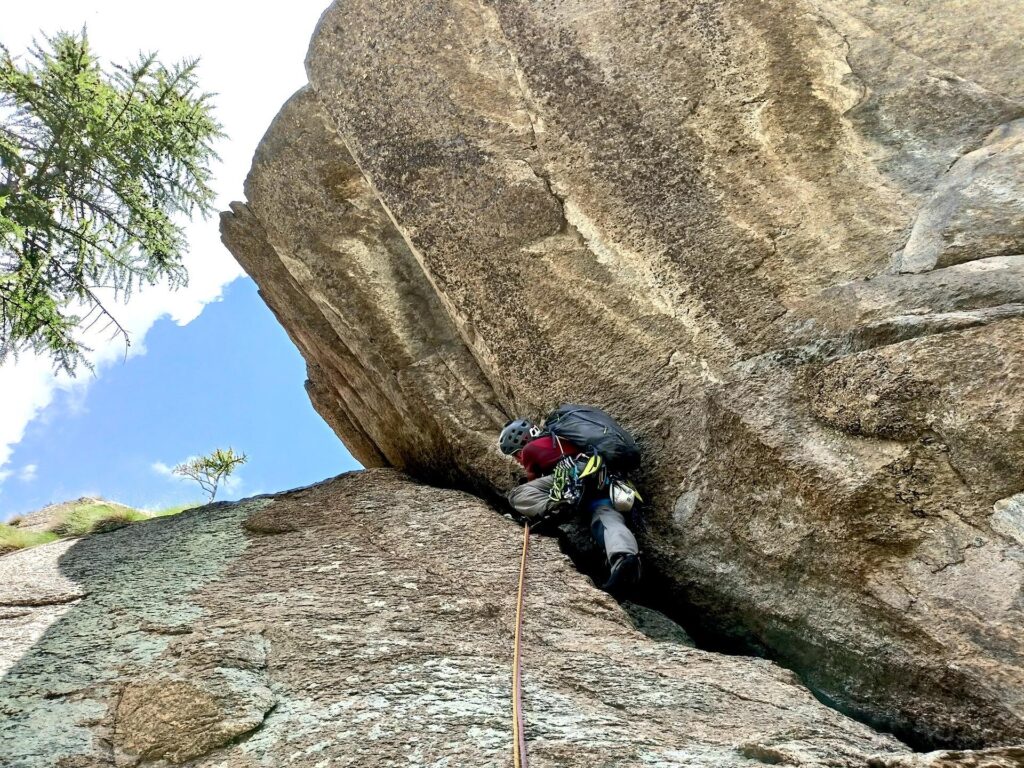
x=208 y=366
x=230 y=377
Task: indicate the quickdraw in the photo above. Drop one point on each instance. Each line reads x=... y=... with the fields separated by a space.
x=566 y=487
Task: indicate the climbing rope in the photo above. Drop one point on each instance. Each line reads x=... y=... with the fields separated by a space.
x=519 y=743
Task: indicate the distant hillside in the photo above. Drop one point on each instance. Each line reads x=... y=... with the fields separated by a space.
x=67 y=519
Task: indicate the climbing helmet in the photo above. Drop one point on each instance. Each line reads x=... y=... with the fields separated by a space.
x=622 y=495
x=516 y=434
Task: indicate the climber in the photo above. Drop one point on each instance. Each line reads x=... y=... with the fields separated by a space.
x=542 y=454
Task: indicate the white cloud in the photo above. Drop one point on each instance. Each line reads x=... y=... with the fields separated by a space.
x=231 y=484
x=252 y=71
x=28 y=473
x=28 y=386
x=162 y=469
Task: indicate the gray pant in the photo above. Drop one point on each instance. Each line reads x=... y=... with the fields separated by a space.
x=532 y=499
x=608 y=527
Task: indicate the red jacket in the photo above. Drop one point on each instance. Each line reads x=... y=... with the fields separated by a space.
x=539 y=456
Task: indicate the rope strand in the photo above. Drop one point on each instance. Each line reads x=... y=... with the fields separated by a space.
x=519 y=728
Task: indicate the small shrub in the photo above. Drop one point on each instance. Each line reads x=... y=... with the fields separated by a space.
x=115 y=521
x=211 y=469
x=12 y=538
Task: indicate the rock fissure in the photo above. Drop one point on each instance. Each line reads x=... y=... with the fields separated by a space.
x=538 y=166
x=909 y=51
x=29 y=601
x=665 y=600
x=864 y=93
x=888 y=332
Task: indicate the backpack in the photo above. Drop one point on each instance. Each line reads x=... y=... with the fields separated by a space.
x=593 y=430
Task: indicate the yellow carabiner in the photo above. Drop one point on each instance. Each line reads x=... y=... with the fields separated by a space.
x=637 y=493
x=593 y=464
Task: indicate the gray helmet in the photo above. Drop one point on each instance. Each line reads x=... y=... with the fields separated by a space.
x=516 y=434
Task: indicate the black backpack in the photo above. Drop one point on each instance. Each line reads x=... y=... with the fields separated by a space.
x=593 y=430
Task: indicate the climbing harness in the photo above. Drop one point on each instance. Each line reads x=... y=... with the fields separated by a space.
x=566 y=484
x=518 y=725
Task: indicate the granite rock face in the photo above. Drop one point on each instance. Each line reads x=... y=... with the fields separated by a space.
x=781 y=241
x=998 y=757
x=366 y=621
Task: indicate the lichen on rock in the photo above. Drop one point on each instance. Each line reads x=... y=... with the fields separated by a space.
x=375 y=628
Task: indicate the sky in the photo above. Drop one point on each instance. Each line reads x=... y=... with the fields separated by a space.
x=208 y=365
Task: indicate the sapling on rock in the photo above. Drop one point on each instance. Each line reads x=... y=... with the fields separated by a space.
x=211 y=469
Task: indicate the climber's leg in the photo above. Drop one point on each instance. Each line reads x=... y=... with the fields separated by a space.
x=609 y=529
x=532 y=499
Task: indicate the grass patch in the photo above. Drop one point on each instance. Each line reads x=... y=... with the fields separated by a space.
x=97 y=518
x=81 y=520
x=11 y=538
x=168 y=511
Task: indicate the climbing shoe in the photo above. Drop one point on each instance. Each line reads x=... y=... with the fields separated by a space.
x=625 y=573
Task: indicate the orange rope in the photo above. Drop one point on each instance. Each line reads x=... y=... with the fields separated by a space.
x=519 y=744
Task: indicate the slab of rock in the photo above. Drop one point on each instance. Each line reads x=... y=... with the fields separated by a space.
x=1000 y=757
x=373 y=628
x=977 y=210
x=778 y=240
